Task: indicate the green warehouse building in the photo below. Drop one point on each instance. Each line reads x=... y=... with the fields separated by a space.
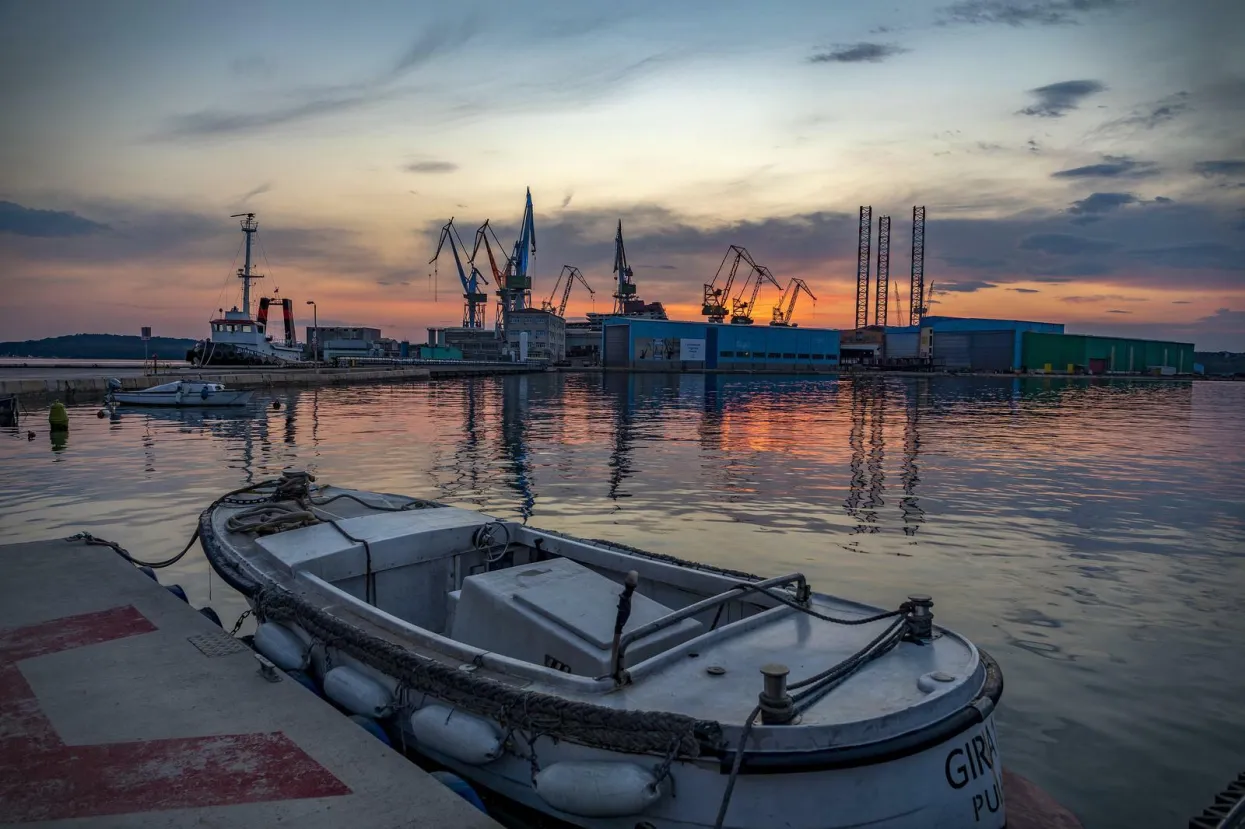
x=1044 y=352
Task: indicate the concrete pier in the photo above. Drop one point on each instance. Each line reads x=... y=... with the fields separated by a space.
x=121 y=706
x=94 y=382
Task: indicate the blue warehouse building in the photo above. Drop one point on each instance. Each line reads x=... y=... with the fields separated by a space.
x=667 y=345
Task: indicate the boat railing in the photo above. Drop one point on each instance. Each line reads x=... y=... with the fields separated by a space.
x=645 y=630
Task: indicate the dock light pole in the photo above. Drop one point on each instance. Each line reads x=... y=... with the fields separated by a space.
x=315 y=326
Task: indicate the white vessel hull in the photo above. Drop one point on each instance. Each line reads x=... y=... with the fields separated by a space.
x=184 y=393
x=233 y=398
x=905 y=739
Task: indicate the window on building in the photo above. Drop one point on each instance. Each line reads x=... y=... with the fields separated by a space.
x=804 y=356
x=774 y=355
x=726 y=353
x=819 y=356
x=788 y=356
x=246 y=329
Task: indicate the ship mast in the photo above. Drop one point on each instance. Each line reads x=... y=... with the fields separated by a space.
x=249 y=227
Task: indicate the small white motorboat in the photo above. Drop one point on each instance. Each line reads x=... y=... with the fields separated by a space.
x=180 y=393
x=611 y=688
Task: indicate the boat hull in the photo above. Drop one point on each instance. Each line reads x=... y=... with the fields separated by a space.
x=166 y=399
x=208 y=353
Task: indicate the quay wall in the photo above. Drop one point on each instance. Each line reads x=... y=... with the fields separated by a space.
x=245 y=379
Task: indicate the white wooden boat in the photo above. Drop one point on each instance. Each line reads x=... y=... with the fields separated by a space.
x=183 y=393
x=523 y=660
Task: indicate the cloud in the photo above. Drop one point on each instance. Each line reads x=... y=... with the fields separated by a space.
x=1117 y=311
x=1021 y=12
x=1101 y=203
x=1222 y=167
x=430 y=167
x=1025 y=290
x=307 y=104
x=256 y=191
x=1181 y=302
x=975 y=262
x=1065 y=244
x=29 y=221
x=858 y=53
x=1231 y=320
x=1215 y=255
x=1112 y=166
x=209 y=123
x=1080 y=300
x=566 y=200
x=1153 y=115
x=1056 y=99
x=660 y=267
x=967 y=286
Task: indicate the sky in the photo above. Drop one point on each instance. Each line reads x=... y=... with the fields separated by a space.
x=1080 y=161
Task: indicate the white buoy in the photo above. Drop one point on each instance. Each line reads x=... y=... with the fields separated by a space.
x=595 y=788
x=357 y=693
x=282 y=646
x=464 y=737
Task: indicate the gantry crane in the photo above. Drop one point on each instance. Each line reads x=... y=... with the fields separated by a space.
x=785 y=308
x=571 y=273
x=715 y=297
x=474 y=307
x=741 y=312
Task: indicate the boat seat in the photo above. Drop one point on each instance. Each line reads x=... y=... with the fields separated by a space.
x=557 y=613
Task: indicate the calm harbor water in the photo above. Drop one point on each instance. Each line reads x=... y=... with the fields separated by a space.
x=1090 y=535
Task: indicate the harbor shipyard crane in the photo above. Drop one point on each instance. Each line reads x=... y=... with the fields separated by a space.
x=741 y=312
x=785 y=308
x=475 y=299
x=715 y=297
x=570 y=273
x=626 y=287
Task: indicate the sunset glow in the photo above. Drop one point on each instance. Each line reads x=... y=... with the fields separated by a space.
x=1080 y=162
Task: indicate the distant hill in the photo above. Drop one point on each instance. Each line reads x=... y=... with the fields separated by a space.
x=1220 y=362
x=98 y=347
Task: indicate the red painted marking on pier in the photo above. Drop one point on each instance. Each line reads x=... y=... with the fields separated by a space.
x=41 y=778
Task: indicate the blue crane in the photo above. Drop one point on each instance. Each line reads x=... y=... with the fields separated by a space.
x=474 y=307
x=517 y=293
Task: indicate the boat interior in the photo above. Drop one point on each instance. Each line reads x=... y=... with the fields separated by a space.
x=543 y=606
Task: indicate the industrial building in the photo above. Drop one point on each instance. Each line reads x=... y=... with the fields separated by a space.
x=482 y=344
x=1082 y=353
x=543 y=331
x=629 y=342
x=980 y=344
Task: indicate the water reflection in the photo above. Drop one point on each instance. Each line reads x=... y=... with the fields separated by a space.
x=1088 y=533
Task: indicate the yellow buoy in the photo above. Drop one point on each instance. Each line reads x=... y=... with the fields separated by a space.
x=58 y=417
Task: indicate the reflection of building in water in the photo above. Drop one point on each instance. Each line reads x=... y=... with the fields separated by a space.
x=868 y=481
x=514 y=425
x=466 y=396
x=621 y=388
x=917 y=396
x=867 y=442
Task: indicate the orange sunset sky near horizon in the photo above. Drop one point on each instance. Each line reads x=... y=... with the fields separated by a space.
x=1080 y=162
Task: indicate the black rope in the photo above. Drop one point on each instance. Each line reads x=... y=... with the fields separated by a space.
x=369 y=587
x=739 y=758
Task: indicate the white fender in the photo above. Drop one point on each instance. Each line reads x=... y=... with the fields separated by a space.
x=596 y=788
x=465 y=737
x=357 y=692
x=282 y=646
